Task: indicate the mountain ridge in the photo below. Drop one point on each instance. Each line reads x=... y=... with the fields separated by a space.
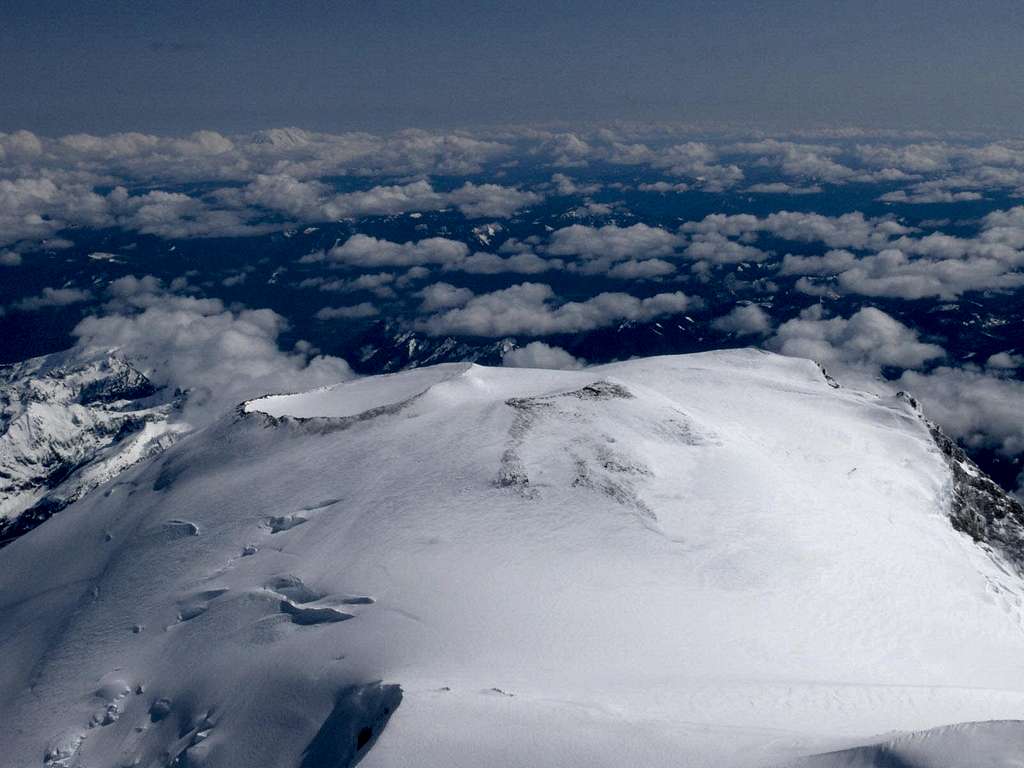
x=67 y=425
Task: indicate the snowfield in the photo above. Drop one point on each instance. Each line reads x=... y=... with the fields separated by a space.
x=703 y=560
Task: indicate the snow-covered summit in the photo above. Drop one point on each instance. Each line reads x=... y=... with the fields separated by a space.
x=715 y=559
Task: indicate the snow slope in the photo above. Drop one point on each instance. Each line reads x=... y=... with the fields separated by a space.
x=712 y=559
x=995 y=744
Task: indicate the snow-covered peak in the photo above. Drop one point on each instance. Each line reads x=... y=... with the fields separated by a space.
x=68 y=425
x=716 y=559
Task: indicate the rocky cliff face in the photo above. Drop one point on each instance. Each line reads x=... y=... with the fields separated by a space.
x=978 y=506
x=68 y=425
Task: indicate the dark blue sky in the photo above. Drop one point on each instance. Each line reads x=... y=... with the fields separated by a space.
x=171 y=67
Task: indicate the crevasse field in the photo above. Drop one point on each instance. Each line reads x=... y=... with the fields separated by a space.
x=706 y=560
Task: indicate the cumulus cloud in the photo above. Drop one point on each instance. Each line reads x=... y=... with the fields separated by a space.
x=1006 y=360
x=641 y=270
x=365 y=251
x=696 y=160
x=936 y=264
x=315 y=201
x=524 y=263
x=443 y=296
x=537 y=354
x=54 y=181
x=286 y=194
x=533 y=309
x=982 y=409
x=590 y=209
x=913 y=158
x=663 y=186
x=611 y=241
x=812 y=161
x=564 y=148
x=34 y=208
x=811 y=287
x=831 y=263
x=49 y=184
x=892 y=273
x=1004 y=227
x=219 y=356
x=20 y=145
x=177 y=215
x=490 y=200
x=850 y=230
x=782 y=188
x=715 y=248
x=868 y=338
x=923 y=195
x=954 y=172
x=53 y=297
x=601 y=249
x=378 y=283
x=564 y=185
x=207 y=155
x=744 y=320
x=353 y=312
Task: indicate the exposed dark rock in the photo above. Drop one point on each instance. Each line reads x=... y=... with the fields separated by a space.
x=828 y=377
x=120 y=382
x=599 y=390
x=12 y=528
x=979 y=507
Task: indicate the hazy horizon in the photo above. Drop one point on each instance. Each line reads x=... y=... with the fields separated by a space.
x=109 y=67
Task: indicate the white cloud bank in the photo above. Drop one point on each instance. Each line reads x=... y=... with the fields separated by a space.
x=533 y=309
x=746 y=320
x=220 y=356
x=869 y=337
x=537 y=354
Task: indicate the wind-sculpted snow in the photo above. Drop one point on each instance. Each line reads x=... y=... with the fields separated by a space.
x=708 y=560
x=359 y=715
x=997 y=744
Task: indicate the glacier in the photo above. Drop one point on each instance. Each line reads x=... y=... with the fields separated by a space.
x=719 y=559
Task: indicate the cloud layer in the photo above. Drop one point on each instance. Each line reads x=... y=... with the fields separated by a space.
x=218 y=355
